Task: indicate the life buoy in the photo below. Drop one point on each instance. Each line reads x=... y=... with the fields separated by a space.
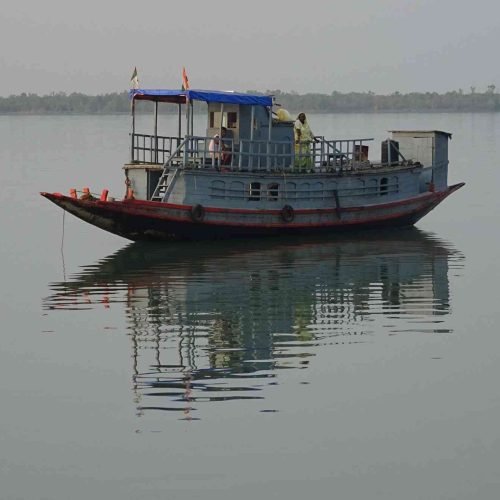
x=287 y=213
x=197 y=213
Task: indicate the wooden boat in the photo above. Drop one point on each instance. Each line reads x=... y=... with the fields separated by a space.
x=256 y=180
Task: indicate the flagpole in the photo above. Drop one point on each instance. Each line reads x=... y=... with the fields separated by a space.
x=133 y=130
x=189 y=105
x=134 y=85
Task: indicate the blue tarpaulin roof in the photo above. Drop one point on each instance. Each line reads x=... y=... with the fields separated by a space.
x=179 y=96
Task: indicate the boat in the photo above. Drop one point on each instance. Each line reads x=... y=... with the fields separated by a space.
x=246 y=175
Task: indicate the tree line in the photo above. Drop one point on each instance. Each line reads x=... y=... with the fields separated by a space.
x=336 y=102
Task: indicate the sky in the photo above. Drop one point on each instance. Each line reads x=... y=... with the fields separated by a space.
x=309 y=46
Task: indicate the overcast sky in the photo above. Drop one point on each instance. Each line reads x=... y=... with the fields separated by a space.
x=309 y=46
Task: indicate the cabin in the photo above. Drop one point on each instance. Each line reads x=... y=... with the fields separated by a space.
x=257 y=139
x=428 y=148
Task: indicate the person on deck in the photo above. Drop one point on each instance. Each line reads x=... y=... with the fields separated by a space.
x=219 y=150
x=303 y=138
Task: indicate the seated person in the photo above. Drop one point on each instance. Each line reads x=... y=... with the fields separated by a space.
x=220 y=151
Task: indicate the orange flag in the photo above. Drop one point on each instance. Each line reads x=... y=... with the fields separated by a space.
x=185 y=81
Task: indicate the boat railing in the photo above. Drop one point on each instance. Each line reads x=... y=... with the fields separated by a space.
x=321 y=155
x=271 y=156
x=193 y=152
x=340 y=153
x=154 y=149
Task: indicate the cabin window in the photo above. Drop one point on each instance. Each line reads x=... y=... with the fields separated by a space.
x=232 y=119
x=395 y=185
x=290 y=190
x=273 y=191
x=236 y=190
x=304 y=191
x=254 y=193
x=318 y=190
x=227 y=119
x=218 y=189
x=383 y=186
x=331 y=188
x=359 y=190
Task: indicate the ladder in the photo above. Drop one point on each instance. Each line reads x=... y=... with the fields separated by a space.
x=163 y=188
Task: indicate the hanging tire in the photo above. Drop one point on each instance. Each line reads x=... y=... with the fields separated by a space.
x=287 y=213
x=197 y=213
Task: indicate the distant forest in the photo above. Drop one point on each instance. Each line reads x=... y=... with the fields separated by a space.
x=336 y=102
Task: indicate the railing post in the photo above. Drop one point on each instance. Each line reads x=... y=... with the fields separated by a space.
x=241 y=153
x=185 y=155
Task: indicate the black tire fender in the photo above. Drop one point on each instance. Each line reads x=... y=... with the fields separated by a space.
x=197 y=213
x=287 y=213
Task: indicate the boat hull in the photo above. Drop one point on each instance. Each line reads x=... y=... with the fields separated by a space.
x=139 y=220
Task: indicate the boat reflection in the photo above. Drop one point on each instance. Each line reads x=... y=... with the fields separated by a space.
x=219 y=320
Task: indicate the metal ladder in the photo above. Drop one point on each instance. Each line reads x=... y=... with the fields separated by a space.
x=163 y=188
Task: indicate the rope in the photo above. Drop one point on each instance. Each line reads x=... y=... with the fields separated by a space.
x=62 y=245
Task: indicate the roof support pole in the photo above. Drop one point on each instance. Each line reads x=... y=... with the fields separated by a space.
x=221 y=118
x=155 y=145
x=179 y=124
x=191 y=103
x=221 y=139
x=252 y=132
x=133 y=131
x=269 y=136
x=188 y=116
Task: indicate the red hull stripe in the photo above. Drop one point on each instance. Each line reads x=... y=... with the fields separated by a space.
x=303 y=211
x=150 y=209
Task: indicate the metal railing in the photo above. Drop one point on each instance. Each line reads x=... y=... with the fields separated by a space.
x=321 y=155
x=271 y=156
x=193 y=152
x=152 y=149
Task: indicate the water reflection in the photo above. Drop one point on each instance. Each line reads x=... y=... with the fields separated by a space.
x=218 y=321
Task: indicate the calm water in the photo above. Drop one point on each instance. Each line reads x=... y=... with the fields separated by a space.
x=361 y=366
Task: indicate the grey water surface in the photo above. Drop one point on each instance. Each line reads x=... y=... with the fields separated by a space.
x=363 y=365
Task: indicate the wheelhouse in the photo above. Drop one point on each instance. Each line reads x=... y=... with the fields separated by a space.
x=255 y=137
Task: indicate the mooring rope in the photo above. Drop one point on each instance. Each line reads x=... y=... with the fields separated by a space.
x=62 y=245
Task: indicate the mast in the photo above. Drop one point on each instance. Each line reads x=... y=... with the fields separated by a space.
x=133 y=130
